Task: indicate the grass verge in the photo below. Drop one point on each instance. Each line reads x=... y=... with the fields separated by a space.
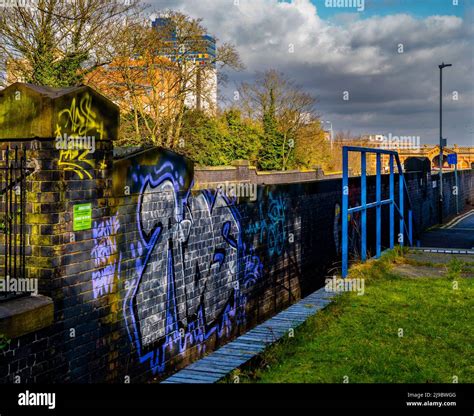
x=402 y=330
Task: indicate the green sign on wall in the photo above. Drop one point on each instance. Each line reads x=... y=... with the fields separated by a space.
x=82 y=219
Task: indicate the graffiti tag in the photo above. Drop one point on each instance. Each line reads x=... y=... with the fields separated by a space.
x=105 y=256
x=270 y=227
x=77 y=124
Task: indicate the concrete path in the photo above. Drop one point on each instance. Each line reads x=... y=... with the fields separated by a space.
x=438 y=258
x=221 y=362
x=421 y=263
x=464 y=222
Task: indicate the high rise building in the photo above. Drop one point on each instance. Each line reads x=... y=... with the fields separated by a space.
x=200 y=52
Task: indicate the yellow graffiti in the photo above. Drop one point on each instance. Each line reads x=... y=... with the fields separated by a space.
x=78 y=121
x=103 y=164
x=69 y=161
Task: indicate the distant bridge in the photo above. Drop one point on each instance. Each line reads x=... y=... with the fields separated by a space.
x=465 y=154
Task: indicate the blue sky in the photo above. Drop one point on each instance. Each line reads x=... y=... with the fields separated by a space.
x=417 y=8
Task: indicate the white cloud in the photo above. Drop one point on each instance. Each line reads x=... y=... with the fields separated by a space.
x=356 y=54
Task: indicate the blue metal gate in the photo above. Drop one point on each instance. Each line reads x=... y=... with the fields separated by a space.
x=377 y=204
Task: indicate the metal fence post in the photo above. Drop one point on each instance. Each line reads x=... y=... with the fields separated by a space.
x=410 y=227
x=363 y=191
x=345 y=209
x=379 y=207
x=392 y=203
x=401 y=236
x=378 y=204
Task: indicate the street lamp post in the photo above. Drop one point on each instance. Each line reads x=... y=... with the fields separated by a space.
x=332 y=134
x=441 y=140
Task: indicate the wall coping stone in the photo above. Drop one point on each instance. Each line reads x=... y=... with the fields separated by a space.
x=25 y=315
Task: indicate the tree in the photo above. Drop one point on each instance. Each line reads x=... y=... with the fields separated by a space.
x=219 y=140
x=244 y=137
x=312 y=147
x=346 y=139
x=272 y=155
x=205 y=138
x=157 y=77
x=283 y=109
x=195 y=81
x=56 y=42
x=139 y=81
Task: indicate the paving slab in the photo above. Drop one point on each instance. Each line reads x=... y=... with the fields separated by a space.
x=218 y=364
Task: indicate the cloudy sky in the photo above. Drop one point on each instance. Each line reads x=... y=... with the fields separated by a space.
x=330 y=50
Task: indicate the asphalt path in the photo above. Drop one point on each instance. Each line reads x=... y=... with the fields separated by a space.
x=457 y=234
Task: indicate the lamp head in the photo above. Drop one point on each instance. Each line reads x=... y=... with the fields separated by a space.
x=443 y=65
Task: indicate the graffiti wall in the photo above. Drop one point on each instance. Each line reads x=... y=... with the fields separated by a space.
x=198 y=264
x=166 y=273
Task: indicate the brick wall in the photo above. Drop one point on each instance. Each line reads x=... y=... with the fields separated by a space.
x=241 y=171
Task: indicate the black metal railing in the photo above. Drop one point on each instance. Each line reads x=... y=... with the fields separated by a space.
x=13 y=175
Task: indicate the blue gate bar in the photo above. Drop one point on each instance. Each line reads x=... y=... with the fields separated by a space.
x=379 y=207
x=378 y=204
x=401 y=209
x=344 y=214
x=363 y=244
x=392 y=203
x=410 y=227
x=371 y=150
x=375 y=204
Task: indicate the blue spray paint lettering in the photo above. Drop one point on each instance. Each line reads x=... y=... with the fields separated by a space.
x=270 y=227
x=105 y=256
x=186 y=285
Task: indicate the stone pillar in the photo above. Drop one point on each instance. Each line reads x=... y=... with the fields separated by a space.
x=243 y=170
x=67 y=136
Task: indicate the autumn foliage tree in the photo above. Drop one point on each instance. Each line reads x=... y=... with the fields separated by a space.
x=283 y=109
x=56 y=42
x=155 y=78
